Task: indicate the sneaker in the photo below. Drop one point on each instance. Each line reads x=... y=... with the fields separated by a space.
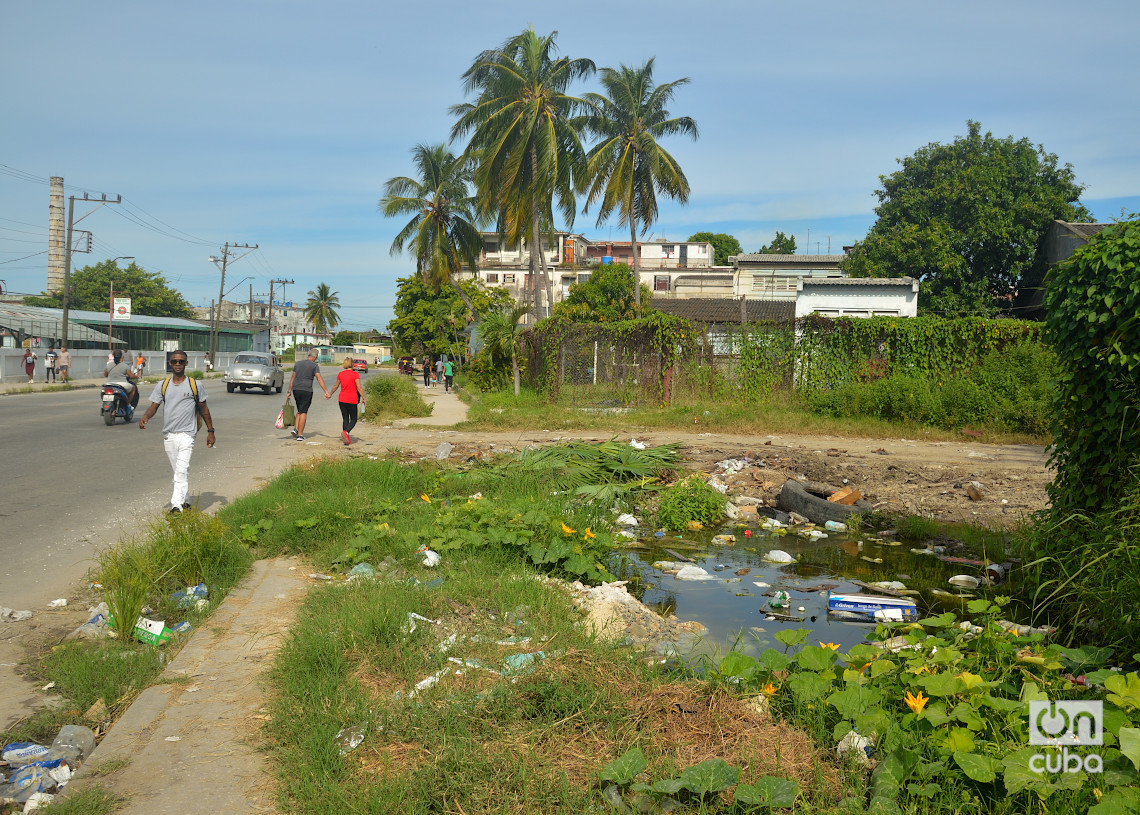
x=174 y=510
x=293 y=430
x=347 y=440
x=299 y=438
x=186 y=507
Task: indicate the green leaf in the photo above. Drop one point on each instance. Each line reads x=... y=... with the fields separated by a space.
x=792 y=637
x=958 y=740
x=668 y=786
x=978 y=767
x=815 y=658
x=736 y=665
x=890 y=776
x=881 y=667
x=883 y=806
x=1119 y=801
x=713 y=775
x=1130 y=744
x=854 y=700
x=941 y=684
x=808 y=686
x=923 y=790
x=769 y=791
x=1018 y=776
x=773 y=660
x=1124 y=690
x=623 y=770
x=968 y=716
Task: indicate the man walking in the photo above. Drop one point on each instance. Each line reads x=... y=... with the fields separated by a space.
x=439 y=371
x=301 y=388
x=448 y=376
x=51 y=360
x=64 y=363
x=183 y=402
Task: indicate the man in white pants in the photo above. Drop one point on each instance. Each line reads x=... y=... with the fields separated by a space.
x=179 y=424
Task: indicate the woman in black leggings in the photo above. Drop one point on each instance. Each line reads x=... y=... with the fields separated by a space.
x=351 y=397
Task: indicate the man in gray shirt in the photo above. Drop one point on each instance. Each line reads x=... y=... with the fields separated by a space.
x=301 y=388
x=179 y=424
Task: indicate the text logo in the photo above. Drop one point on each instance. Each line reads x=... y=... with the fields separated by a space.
x=1066 y=724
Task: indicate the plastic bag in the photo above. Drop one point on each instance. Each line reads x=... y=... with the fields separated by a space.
x=280 y=423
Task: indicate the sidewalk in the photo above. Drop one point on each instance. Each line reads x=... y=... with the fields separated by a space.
x=447 y=409
x=38 y=386
x=190 y=744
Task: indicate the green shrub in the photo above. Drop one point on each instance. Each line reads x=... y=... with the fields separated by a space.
x=195 y=374
x=690 y=499
x=393 y=397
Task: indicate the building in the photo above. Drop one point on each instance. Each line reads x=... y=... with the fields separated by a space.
x=857 y=297
x=778 y=276
x=289 y=324
x=1060 y=241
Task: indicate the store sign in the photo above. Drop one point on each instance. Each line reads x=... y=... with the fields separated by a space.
x=122 y=308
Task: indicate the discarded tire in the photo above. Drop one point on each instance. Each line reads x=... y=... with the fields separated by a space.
x=794 y=497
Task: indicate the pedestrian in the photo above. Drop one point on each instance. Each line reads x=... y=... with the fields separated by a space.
x=51 y=361
x=439 y=370
x=207 y=362
x=448 y=376
x=351 y=398
x=427 y=372
x=64 y=363
x=140 y=363
x=184 y=406
x=301 y=389
x=30 y=363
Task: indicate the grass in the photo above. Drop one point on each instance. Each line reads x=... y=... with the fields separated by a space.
x=393 y=397
x=94 y=799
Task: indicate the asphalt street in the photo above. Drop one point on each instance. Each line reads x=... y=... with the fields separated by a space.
x=72 y=485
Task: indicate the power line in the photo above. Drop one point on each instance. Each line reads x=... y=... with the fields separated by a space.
x=25 y=257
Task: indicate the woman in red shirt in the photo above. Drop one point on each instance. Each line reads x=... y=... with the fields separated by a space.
x=350 y=399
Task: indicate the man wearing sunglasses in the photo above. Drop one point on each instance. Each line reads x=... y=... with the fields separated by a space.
x=179 y=424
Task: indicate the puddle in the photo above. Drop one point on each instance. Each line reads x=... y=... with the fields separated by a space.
x=734 y=608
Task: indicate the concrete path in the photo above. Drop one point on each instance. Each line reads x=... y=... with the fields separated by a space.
x=191 y=742
x=447 y=409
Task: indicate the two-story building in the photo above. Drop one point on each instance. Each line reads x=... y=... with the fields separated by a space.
x=777 y=277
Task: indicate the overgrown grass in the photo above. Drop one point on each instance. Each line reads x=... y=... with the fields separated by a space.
x=393 y=397
x=93 y=799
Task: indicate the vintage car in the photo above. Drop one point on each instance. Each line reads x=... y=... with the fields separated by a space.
x=360 y=365
x=251 y=370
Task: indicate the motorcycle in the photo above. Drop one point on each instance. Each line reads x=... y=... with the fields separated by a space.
x=116 y=403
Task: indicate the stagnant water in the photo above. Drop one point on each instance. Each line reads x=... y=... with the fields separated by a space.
x=734 y=608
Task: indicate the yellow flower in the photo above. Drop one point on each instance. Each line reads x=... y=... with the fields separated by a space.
x=769 y=689
x=424 y=496
x=567 y=530
x=915 y=703
x=589 y=535
x=834 y=646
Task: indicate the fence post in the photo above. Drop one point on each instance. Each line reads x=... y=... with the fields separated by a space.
x=667 y=384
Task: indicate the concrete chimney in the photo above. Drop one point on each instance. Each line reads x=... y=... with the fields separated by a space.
x=57 y=236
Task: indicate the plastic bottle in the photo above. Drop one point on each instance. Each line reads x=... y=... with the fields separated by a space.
x=835 y=526
x=74 y=741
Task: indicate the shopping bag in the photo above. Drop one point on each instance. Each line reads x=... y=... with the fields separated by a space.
x=289 y=414
x=280 y=423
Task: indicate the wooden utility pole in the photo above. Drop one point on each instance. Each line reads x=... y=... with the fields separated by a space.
x=71 y=222
x=224 y=260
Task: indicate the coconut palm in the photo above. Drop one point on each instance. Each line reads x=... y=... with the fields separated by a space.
x=627 y=168
x=501 y=333
x=523 y=140
x=321 y=308
x=443 y=233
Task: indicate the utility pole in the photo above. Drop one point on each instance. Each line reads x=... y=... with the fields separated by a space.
x=224 y=260
x=71 y=222
x=271 y=285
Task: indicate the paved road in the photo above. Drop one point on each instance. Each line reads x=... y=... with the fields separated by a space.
x=72 y=486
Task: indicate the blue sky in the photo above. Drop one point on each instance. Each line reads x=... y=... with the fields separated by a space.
x=277 y=123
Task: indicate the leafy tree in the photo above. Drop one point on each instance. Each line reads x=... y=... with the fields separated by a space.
x=627 y=168
x=430 y=321
x=320 y=310
x=91 y=291
x=607 y=296
x=345 y=337
x=724 y=246
x=524 y=142
x=443 y=233
x=501 y=332
x=781 y=245
x=966 y=219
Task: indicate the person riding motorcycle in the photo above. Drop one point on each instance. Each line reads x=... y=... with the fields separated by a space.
x=119 y=373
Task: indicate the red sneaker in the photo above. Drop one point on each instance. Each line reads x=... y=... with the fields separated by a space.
x=347 y=440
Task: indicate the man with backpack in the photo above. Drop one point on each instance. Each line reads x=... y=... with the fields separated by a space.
x=184 y=411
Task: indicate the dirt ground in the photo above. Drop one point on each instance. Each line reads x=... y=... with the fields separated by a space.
x=896 y=475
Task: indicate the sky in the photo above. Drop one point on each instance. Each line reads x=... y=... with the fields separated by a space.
x=277 y=123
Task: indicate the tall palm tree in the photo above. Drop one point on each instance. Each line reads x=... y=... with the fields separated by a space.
x=501 y=332
x=321 y=308
x=443 y=233
x=627 y=168
x=523 y=139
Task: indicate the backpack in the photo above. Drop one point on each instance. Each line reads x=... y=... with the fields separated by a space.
x=193 y=390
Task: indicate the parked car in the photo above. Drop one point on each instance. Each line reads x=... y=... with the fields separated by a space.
x=255 y=371
x=360 y=365
x=407 y=365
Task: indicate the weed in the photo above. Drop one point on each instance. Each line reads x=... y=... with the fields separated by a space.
x=690 y=499
x=93 y=799
x=393 y=397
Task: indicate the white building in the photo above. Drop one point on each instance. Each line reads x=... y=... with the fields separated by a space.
x=857 y=297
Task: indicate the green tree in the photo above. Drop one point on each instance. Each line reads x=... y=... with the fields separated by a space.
x=781 y=245
x=345 y=338
x=524 y=142
x=607 y=296
x=425 y=320
x=443 y=233
x=320 y=310
x=627 y=167
x=501 y=332
x=724 y=246
x=967 y=219
x=91 y=291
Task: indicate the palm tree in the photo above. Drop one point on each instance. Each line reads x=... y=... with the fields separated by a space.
x=321 y=308
x=443 y=233
x=523 y=139
x=627 y=168
x=502 y=334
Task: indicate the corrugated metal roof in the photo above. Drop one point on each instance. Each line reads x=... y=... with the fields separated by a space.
x=758 y=257
x=1084 y=230
x=136 y=321
x=47 y=322
x=723 y=310
x=858 y=281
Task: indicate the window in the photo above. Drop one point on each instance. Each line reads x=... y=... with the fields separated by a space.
x=508 y=278
x=582 y=278
x=493 y=277
x=661 y=282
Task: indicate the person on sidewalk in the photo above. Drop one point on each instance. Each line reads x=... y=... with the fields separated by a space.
x=448 y=376
x=301 y=389
x=439 y=371
x=51 y=362
x=64 y=363
x=351 y=398
x=140 y=363
x=427 y=372
x=183 y=403
x=29 y=361
x=119 y=373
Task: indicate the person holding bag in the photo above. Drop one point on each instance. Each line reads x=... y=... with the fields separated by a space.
x=351 y=398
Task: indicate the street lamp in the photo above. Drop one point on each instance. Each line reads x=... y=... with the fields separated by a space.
x=123 y=257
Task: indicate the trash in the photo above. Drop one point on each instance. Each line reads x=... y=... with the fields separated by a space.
x=846 y=496
x=13 y=616
x=889 y=585
x=362 y=570
x=996 y=572
x=60 y=603
x=690 y=572
x=964 y=581
x=778 y=556
x=872 y=606
x=748 y=533
x=772 y=523
x=694 y=526
x=25 y=783
x=443 y=451
x=152 y=632
x=761 y=584
x=743 y=571
x=182 y=628
x=430 y=558
x=625 y=535
x=975 y=491
x=426 y=683
x=815 y=534
x=37 y=800
x=719 y=487
x=660 y=533
x=349 y=738
x=319 y=576
x=95 y=627
x=24 y=752
x=636 y=445
x=518 y=664
x=835 y=526
x=871 y=559
x=75 y=742
x=412 y=617
x=730 y=511
x=97 y=712
x=173 y=738
x=625 y=519
x=780 y=599
x=860 y=748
